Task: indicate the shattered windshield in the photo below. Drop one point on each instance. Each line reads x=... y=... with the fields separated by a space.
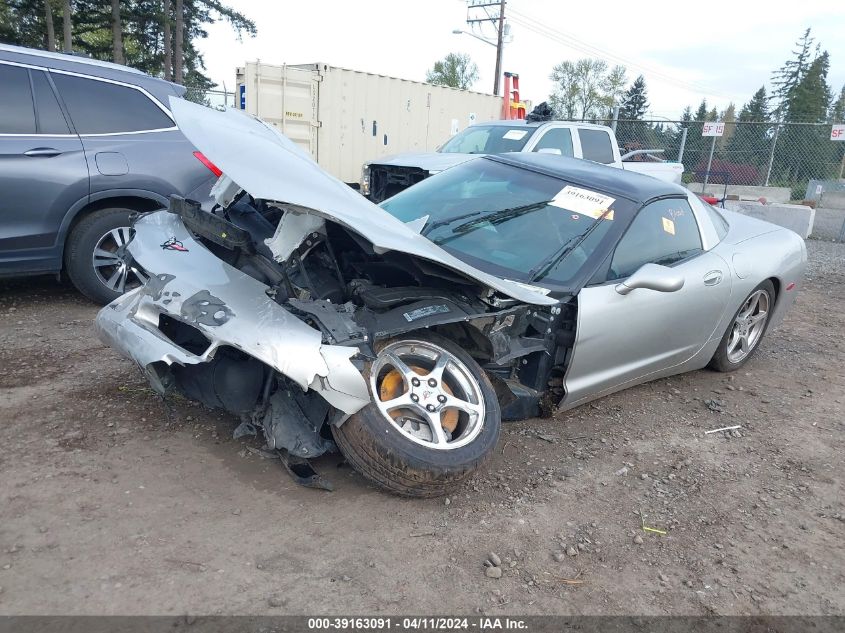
x=509 y=221
x=488 y=139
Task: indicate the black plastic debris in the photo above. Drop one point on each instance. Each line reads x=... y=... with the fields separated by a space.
x=541 y=112
x=302 y=471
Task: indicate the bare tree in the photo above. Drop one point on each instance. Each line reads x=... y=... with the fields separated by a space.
x=66 y=25
x=456 y=70
x=168 y=44
x=117 y=32
x=587 y=88
x=51 y=31
x=178 y=53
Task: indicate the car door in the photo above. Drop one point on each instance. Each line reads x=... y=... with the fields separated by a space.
x=43 y=171
x=624 y=339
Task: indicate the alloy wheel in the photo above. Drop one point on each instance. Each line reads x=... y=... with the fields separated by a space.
x=748 y=326
x=428 y=395
x=110 y=261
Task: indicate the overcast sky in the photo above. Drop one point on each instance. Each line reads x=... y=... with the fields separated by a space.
x=723 y=52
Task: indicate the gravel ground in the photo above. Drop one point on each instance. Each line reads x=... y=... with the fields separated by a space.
x=114 y=502
x=828 y=223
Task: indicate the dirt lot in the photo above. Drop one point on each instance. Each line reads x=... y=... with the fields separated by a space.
x=113 y=502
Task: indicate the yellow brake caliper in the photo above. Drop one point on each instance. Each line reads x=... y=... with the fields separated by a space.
x=392 y=386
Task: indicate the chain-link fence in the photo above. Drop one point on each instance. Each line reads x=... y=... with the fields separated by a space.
x=747 y=153
x=214 y=98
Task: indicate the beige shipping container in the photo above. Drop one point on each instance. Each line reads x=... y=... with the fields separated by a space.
x=345 y=118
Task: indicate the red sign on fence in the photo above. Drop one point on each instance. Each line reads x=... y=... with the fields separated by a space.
x=837 y=133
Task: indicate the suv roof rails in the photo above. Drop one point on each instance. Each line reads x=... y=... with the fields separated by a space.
x=75 y=58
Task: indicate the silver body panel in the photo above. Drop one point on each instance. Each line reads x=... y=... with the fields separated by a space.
x=625 y=340
x=229 y=307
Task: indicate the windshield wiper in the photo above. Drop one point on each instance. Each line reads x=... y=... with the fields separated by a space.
x=502 y=215
x=428 y=228
x=493 y=217
x=545 y=265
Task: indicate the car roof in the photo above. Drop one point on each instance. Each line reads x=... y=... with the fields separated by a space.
x=628 y=184
x=160 y=88
x=523 y=122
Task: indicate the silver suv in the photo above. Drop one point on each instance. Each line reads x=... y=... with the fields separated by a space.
x=83 y=145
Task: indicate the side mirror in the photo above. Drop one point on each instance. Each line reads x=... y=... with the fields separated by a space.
x=652 y=277
x=550 y=150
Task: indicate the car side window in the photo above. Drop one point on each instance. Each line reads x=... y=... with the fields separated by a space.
x=595 y=146
x=50 y=117
x=17 y=113
x=559 y=138
x=664 y=232
x=98 y=107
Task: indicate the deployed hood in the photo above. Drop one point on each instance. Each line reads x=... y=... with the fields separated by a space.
x=430 y=162
x=269 y=166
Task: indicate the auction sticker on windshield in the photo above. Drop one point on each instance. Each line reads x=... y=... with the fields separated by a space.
x=583 y=201
x=515 y=135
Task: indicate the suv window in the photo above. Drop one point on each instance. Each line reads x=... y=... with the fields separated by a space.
x=50 y=117
x=664 y=232
x=97 y=107
x=17 y=114
x=559 y=138
x=595 y=146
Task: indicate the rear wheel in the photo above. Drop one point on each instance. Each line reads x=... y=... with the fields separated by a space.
x=95 y=256
x=746 y=329
x=433 y=421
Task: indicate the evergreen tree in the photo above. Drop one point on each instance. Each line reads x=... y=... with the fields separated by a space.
x=631 y=135
x=728 y=116
x=810 y=98
x=635 y=101
x=787 y=77
x=752 y=138
x=803 y=151
x=143 y=24
x=837 y=110
x=756 y=109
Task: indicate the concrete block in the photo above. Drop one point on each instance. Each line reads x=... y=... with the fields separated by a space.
x=795 y=217
x=832 y=200
x=771 y=194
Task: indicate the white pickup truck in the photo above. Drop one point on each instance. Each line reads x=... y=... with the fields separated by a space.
x=389 y=175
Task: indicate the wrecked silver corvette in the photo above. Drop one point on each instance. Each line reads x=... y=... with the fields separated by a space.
x=499 y=289
x=289 y=314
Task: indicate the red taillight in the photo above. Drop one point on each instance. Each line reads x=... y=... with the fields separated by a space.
x=790 y=286
x=211 y=166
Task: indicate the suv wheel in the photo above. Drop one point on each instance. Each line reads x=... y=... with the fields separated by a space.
x=94 y=256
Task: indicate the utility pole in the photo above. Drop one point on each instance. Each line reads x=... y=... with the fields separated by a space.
x=498 y=20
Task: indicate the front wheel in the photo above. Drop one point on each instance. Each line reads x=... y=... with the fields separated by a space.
x=433 y=421
x=746 y=329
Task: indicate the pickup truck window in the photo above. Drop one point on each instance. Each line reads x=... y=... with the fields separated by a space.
x=559 y=138
x=596 y=146
x=489 y=139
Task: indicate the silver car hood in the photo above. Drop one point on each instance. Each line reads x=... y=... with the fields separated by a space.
x=430 y=161
x=269 y=166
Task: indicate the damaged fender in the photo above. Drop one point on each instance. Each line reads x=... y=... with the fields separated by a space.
x=229 y=308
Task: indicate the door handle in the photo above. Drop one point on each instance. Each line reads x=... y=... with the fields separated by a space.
x=45 y=152
x=713 y=278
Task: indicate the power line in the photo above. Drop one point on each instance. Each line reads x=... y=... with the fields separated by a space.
x=573 y=42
